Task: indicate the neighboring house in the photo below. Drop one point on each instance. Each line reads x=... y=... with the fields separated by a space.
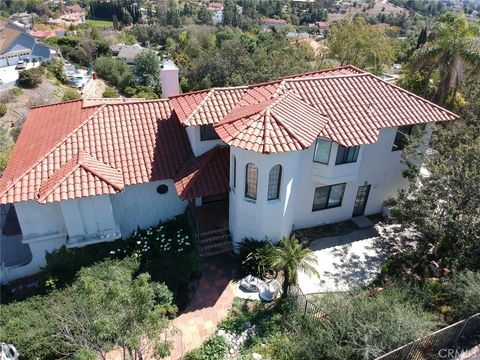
x=16 y=45
x=127 y=53
x=217 y=12
x=43 y=35
x=72 y=15
x=276 y=23
x=249 y=161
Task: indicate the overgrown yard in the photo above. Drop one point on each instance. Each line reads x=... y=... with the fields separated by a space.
x=354 y=325
x=166 y=254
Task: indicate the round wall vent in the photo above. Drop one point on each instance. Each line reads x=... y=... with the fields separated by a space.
x=162 y=189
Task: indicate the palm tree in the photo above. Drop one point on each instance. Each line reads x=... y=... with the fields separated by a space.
x=455 y=46
x=290 y=256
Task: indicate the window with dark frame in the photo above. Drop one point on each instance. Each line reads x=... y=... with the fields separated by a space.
x=322 y=151
x=251 y=180
x=346 y=155
x=207 y=132
x=403 y=132
x=274 y=180
x=327 y=197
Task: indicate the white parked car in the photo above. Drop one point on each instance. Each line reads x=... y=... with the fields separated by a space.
x=22 y=64
x=9 y=352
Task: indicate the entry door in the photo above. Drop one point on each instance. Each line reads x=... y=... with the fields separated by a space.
x=361 y=200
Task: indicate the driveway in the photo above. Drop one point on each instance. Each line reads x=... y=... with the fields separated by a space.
x=349 y=261
x=9 y=75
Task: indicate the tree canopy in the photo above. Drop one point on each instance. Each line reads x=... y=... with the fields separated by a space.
x=357 y=43
x=453 y=49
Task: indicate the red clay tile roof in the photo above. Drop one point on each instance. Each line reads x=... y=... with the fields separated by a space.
x=206 y=107
x=81 y=169
x=205 y=175
x=70 y=150
x=270 y=126
x=356 y=105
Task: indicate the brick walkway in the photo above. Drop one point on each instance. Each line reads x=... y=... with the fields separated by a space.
x=209 y=306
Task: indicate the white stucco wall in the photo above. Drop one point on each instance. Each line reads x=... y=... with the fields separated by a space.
x=142 y=206
x=39 y=221
x=263 y=218
x=376 y=165
x=89 y=219
x=43 y=229
x=198 y=146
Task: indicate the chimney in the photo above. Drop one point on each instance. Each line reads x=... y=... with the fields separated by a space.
x=169 y=79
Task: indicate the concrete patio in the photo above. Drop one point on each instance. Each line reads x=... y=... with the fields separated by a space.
x=350 y=261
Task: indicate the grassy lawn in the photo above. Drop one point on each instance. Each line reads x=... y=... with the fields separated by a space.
x=99 y=23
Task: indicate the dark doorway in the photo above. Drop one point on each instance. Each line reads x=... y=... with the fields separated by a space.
x=361 y=200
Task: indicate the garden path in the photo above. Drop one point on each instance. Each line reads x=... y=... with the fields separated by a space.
x=210 y=305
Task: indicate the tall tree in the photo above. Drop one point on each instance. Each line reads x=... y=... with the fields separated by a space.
x=357 y=43
x=230 y=13
x=148 y=68
x=422 y=37
x=454 y=48
x=109 y=307
x=204 y=16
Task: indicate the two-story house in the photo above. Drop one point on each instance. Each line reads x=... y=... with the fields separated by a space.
x=249 y=161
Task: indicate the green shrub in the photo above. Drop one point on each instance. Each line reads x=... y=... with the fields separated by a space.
x=215 y=348
x=465 y=290
x=71 y=94
x=30 y=78
x=3 y=109
x=110 y=93
x=362 y=328
x=28 y=325
x=253 y=255
x=17 y=91
x=114 y=71
x=57 y=68
x=167 y=252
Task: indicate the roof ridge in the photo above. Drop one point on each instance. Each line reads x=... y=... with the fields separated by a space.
x=56 y=103
x=240 y=116
x=197 y=108
x=322 y=71
x=82 y=154
x=76 y=160
x=290 y=133
x=52 y=149
x=326 y=77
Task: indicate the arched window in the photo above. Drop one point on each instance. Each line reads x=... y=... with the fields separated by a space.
x=251 y=179
x=274 y=179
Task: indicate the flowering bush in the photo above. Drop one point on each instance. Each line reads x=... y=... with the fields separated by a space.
x=148 y=244
x=167 y=252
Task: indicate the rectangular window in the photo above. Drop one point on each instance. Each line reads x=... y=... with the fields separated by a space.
x=347 y=155
x=207 y=132
x=322 y=151
x=401 y=137
x=327 y=197
x=234 y=172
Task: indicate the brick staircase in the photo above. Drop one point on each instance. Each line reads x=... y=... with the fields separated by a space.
x=214 y=242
